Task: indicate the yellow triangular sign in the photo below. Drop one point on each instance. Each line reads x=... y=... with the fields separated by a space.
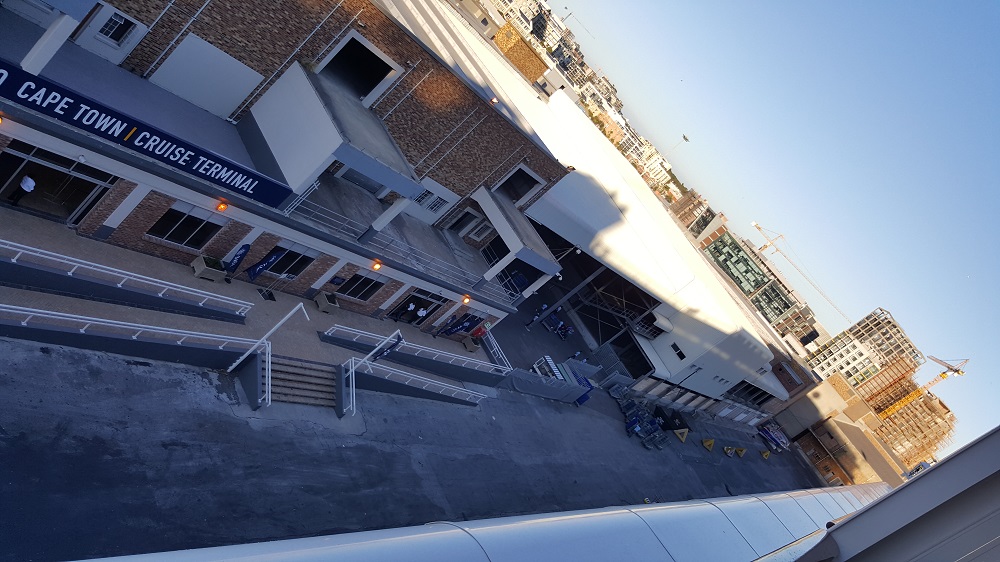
x=729 y=451
x=708 y=443
x=741 y=451
x=765 y=454
x=681 y=434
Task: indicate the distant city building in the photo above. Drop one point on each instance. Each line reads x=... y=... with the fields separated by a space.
x=878 y=359
x=862 y=350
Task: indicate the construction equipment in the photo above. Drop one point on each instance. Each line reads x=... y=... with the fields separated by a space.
x=771 y=244
x=951 y=369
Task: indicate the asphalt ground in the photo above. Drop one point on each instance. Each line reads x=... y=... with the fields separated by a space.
x=106 y=455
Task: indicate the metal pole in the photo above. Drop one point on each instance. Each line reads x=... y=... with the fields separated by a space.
x=268 y=334
x=568 y=296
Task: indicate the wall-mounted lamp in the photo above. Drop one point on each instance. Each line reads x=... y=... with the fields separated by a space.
x=376 y=265
x=466 y=299
x=222 y=206
x=494 y=101
x=81 y=159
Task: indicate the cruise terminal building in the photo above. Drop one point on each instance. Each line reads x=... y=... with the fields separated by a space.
x=382 y=152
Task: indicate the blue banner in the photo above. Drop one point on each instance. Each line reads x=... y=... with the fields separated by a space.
x=388 y=349
x=63 y=104
x=234 y=264
x=270 y=259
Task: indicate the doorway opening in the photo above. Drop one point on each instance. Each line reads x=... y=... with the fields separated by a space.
x=417 y=307
x=65 y=189
x=358 y=67
x=518 y=184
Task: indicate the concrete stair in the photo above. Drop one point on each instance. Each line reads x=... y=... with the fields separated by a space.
x=303 y=382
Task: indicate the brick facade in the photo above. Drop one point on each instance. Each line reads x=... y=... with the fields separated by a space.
x=369 y=307
x=107 y=205
x=437 y=110
x=519 y=53
x=131 y=233
x=226 y=239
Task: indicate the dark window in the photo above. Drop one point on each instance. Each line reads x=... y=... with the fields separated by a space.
x=472 y=319
x=117 y=28
x=362 y=286
x=292 y=264
x=185 y=228
x=677 y=350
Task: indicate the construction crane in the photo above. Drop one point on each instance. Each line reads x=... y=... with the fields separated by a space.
x=950 y=369
x=771 y=244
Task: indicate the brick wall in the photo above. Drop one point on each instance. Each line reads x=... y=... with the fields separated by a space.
x=226 y=239
x=263 y=34
x=258 y=249
x=520 y=54
x=369 y=307
x=107 y=205
x=131 y=233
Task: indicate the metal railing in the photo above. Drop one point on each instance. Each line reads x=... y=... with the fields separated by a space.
x=388 y=373
x=120 y=278
x=421 y=351
x=388 y=247
x=494 y=350
x=116 y=328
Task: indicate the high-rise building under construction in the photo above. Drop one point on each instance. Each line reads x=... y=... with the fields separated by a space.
x=880 y=362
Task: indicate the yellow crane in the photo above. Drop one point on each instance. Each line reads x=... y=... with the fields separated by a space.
x=771 y=244
x=950 y=369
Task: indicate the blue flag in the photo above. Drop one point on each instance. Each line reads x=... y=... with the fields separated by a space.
x=234 y=264
x=270 y=259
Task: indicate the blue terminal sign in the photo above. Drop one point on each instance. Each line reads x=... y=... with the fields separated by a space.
x=38 y=94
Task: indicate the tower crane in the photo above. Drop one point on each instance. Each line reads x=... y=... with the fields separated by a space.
x=950 y=369
x=770 y=243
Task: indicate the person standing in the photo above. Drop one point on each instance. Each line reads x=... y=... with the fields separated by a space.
x=26 y=187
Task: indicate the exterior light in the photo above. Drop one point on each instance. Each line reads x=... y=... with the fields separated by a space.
x=1 y=119
x=376 y=265
x=466 y=299
x=222 y=206
x=494 y=101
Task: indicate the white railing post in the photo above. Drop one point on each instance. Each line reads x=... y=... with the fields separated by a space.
x=263 y=339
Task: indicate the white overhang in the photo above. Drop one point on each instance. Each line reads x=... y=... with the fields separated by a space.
x=516 y=231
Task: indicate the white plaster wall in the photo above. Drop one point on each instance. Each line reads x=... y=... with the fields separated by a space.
x=206 y=76
x=297 y=127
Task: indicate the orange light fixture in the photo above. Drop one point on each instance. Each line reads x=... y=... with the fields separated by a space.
x=376 y=265
x=222 y=206
x=466 y=299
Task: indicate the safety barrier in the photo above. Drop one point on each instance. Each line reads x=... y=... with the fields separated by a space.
x=120 y=277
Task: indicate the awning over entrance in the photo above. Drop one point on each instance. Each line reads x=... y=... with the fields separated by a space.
x=516 y=231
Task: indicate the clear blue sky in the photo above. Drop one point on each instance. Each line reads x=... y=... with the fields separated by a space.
x=867 y=133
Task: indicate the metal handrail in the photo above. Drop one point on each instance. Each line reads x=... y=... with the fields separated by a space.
x=350 y=230
x=122 y=277
x=208 y=339
x=494 y=349
x=410 y=379
x=350 y=367
x=422 y=351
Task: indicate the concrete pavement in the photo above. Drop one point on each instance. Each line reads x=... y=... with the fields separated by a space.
x=103 y=454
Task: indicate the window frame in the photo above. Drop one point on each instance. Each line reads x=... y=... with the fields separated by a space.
x=375 y=283
x=109 y=36
x=188 y=211
x=301 y=257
